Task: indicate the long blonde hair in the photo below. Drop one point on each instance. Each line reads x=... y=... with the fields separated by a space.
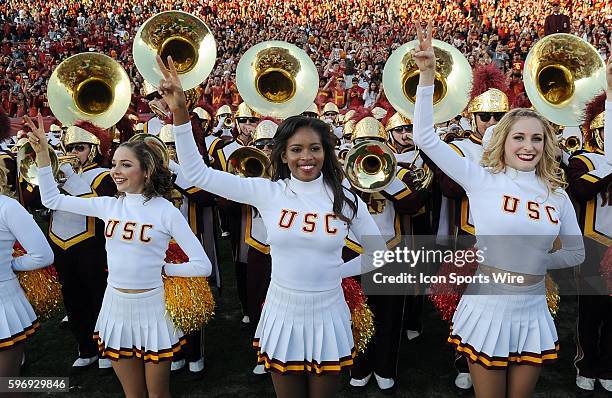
x=547 y=169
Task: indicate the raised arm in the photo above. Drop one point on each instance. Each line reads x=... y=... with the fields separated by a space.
x=28 y=234
x=198 y=264
x=608 y=117
x=253 y=191
x=465 y=172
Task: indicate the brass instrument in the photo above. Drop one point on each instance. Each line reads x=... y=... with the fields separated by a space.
x=370 y=166
x=277 y=79
x=562 y=73
x=26 y=163
x=228 y=122
x=89 y=86
x=452 y=83
x=182 y=36
x=421 y=176
x=249 y=162
x=156 y=142
x=570 y=144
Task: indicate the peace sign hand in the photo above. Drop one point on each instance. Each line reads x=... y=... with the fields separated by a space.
x=37 y=136
x=424 y=55
x=170 y=86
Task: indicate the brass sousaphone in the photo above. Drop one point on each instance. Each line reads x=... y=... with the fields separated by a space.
x=178 y=34
x=452 y=83
x=277 y=79
x=249 y=162
x=89 y=86
x=562 y=73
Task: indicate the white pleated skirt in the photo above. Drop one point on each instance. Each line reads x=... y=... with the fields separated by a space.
x=136 y=325
x=495 y=330
x=304 y=332
x=17 y=318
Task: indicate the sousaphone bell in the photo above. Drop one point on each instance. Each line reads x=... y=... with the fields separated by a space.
x=277 y=79
x=452 y=84
x=249 y=162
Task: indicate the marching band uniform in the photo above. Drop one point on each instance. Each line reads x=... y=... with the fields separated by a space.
x=137 y=234
x=381 y=355
x=305 y=323
x=497 y=329
x=18 y=320
x=590 y=179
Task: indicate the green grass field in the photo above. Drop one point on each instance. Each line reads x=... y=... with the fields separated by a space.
x=425 y=368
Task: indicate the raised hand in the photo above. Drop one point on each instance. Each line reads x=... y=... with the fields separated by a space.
x=424 y=55
x=172 y=92
x=37 y=136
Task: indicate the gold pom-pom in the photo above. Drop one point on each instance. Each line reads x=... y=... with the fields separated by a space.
x=42 y=289
x=189 y=302
x=363 y=327
x=552 y=295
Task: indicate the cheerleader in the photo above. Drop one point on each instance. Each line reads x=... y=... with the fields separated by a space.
x=133 y=329
x=18 y=320
x=519 y=190
x=304 y=335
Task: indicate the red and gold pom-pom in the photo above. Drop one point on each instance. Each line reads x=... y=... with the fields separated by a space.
x=362 y=318
x=606 y=269
x=189 y=301
x=41 y=287
x=445 y=296
x=552 y=295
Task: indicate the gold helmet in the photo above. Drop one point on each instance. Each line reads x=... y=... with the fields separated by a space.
x=379 y=113
x=139 y=127
x=598 y=122
x=166 y=134
x=593 y=122
x=55 y=128
x=244 y=111
x=492 y=100
x=75 y=134
x=369 y=127
x=202 y=113
x=223 y=110
x=149 y=90
x=266 y=129
x=397 y=120
x=330 y=107
x=349 y=127
x=348 y=115
x=313 y=109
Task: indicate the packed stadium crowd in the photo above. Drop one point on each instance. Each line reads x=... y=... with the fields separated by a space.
x=349 y=38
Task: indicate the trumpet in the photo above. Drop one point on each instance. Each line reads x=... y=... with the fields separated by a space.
x=228 y=122
x=370 y=166
x=421 y=176
x=249 y=162
x=570 y=144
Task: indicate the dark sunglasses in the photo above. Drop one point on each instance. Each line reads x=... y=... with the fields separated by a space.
x=399 y=129
x=486 y=116
x=264 y=143
x=247 y=120
x=78 y=147
x=330 y=114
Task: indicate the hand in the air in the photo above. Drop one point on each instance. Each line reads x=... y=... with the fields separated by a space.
x=37 y=136
x=424 y=55
x=170 y=86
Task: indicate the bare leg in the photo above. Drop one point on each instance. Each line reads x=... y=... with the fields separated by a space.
x=290 y=385
x=323 y=386
x=522 y=380
x=157 y=376
x=487 y=383
x=130 y=372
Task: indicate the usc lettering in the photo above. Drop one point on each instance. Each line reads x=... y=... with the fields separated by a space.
x=510 y=205
x=129 y=231
x=309 y=221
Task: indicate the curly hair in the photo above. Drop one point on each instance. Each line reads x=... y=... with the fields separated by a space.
x=547 y=169
x=159 y=181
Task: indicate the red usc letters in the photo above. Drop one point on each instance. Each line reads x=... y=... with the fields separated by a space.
x=309 y=221
x=510 y=205
x=129 y=230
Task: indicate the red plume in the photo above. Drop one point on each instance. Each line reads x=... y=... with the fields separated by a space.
x=126 y=128
x=103 y=136
x=593 y=108
x=272 y=119
x=520 y=101
x=361 y=113
x=487 y=77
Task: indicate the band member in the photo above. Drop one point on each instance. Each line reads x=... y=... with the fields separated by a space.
x=196 y=206
x=159 y=108
x=133 y=329
x=224 y=123
x=18 y=321
x=218 y=91
x=312 y=111
x=331 y=116
x=517 y=184
x=399 y=129
x=386 y=207
x=590 y=184
x=306 y=215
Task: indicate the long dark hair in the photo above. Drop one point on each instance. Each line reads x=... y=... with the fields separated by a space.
x=159 y=181
x=332 y=171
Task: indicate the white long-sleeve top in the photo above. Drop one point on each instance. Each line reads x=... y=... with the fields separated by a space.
x=305 y=236
x=516 y=216
x=16 y=224
x=137 y=234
